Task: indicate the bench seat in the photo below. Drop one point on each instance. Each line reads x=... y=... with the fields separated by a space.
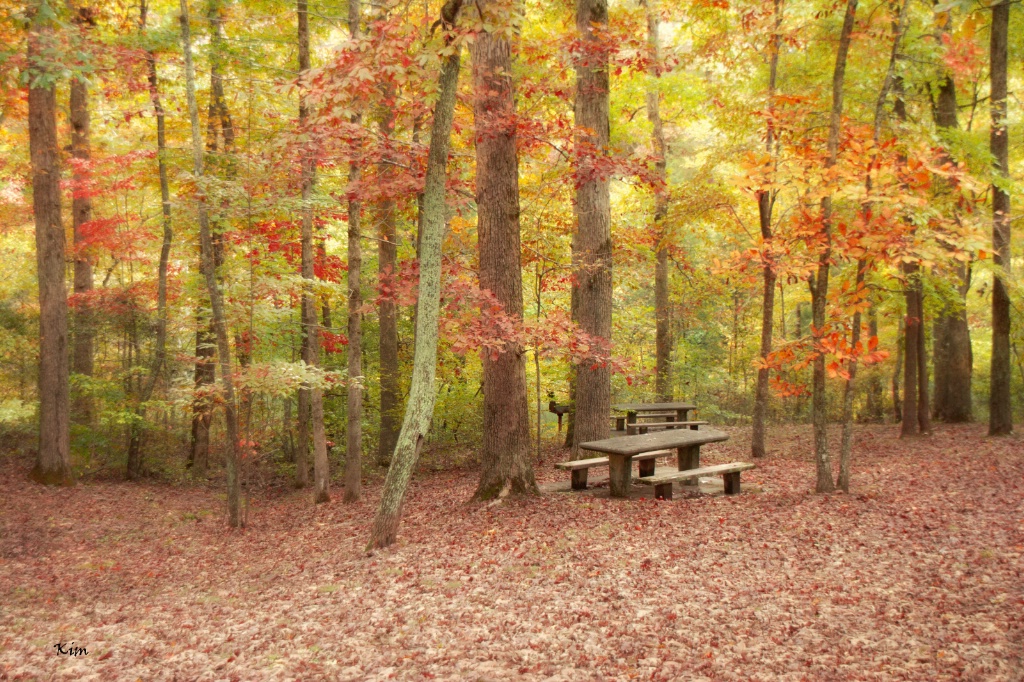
x=646 y=427
x=730 y=474
x=579 y=467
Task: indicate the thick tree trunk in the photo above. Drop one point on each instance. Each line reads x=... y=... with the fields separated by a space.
x=206 y=252
x=310 y=321
x=422 y=394
x=505 y=453
x=53 y=461
x=819 y=282
x=354 y=404
x=663 y=331
x=81 y=213
x=1000 y=416
x=592 y=241
x=953 y=359
x=765 y=203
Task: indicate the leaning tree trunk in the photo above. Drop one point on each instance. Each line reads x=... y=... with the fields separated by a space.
x=208 y=266
x=663 y=330
x=81 y=213
x=1000 y=416
x=310 y=321
x=354 y=404
x=420 y=408
x=53 y=461
x=819 y=282
x=592 y=242
x=505 y=452
x=765 y=203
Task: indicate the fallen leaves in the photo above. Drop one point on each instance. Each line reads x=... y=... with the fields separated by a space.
x=916 y=575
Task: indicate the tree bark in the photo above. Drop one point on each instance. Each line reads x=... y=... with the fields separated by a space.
x=897 y=402
x=53 y=460
x=765 y=203
x=310 y=321
x=953 y=359
x=81 y=213
x=924 y=422
x=206 y=252
x=505 y=452
x=663 y=341
x=819 y=282
x=1000 y=416
x=354 y=403
x=420 y=408
x=592 y=241
x=909 y=427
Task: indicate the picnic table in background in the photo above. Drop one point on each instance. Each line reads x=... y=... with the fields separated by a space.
x=634 y=410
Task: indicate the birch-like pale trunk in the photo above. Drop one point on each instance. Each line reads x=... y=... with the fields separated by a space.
x=420 y=408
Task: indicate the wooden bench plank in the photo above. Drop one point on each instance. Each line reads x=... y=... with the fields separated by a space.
x=716 y=469
x=730 y=474
x=579 y=467
x=646 y=427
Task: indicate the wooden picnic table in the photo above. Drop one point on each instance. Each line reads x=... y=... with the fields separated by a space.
x=620 y=452
x=634 y=409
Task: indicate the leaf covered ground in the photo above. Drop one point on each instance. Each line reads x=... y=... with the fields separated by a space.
x=915 y=575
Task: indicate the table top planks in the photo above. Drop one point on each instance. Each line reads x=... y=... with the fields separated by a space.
x=676 y=438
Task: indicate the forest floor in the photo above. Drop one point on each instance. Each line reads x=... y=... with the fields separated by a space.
x=915 y=575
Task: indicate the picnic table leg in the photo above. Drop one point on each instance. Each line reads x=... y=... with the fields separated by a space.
x=732 y=483
x=647 y=467
x=631 y=417
x=620 y=423
x=620 y=474
x=688 y=457
x=579 y=479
